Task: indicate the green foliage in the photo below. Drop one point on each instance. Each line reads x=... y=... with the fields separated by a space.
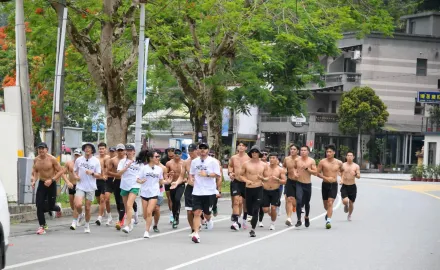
x=380 y=148
x=361 y=111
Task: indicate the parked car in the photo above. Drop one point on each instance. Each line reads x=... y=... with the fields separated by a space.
x=4 y=226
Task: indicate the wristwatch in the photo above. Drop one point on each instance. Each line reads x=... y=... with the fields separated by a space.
x=93 y=174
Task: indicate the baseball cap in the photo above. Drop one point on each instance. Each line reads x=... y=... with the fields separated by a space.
x=192 y=147
x=129 y=147
x=112 y=149
x=77 y=152
x=120 y=147
x=42 y=145
x=177 y=151
x=204 y=144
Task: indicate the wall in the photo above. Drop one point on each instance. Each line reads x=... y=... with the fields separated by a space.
x=8 y=154
x=436 y=26
x=423 y=26
x=13 y=105
x=247 y=124
x=428 y=139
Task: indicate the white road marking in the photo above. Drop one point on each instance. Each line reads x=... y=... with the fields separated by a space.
x=247 y=243
x=101 y=247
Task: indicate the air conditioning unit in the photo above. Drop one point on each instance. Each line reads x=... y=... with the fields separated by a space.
x=356 y=55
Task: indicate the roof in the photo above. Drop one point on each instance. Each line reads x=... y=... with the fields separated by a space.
x=421 y=14
x=393 y=127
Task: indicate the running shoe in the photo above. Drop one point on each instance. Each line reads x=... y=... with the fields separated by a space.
x=155 y=229
x=235 y=226
x=126 y=229
x=346 y=208
x=252 y=233
x=45 y=227
x=328 y=225
x=87 y=228
x=307 y=222
x=349 y=217
x=73 y=226
x=196 y=238
x=302 y=210
x=171 y=218
x=298 y=224
x=109 y=221
x=146 y=234
x=59 y=213
x=174 y=224
x=261 y=225
x=210 y=225
x=41 y=231
x=244 y=225
x=289 y=222
x=118 y=225
x=272 y=227
x=98 y=221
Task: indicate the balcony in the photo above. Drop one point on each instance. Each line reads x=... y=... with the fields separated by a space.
x=336 y=81
x=324 y=117
x=430 y=125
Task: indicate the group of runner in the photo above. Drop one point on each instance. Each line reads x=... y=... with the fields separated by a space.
x=257 y=180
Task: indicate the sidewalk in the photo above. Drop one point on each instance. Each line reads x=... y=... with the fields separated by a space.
x=387 y=176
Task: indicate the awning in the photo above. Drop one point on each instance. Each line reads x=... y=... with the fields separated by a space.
x=391 y=127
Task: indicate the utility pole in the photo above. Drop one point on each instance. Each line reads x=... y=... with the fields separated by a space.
x=140 y=81
x=58 y=97
x=23 y=71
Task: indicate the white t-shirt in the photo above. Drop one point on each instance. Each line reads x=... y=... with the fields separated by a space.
x=153 y=175
x=129 y=177
x=87 y=182
x=204 y=185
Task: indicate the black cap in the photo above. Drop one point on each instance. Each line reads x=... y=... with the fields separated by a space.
x=112 y=149
x=204 y=144
x=129 y=147
x=42 y=145
x=255 y=149
x=192 y=147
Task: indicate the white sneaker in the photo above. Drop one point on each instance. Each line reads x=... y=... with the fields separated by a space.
x=235 y=226
x=289 y=222
x=109 y=221
x=249 y=218
x=210 y=225
x=73 y=226
x=261 y=225
x=349 y=218
x=81 y=220
x=98 y=221
x=87 y=228
x=136 y=218
x=60 y=213
x=244 y=224
x=272 y=227
x=126 y=229
x=146 y=234
x=196 y=238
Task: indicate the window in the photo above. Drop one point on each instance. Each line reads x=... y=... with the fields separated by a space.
x=412 y=27
x=333 y=108
x=438 y=84
x=349 y=65
x=419 y=109
x=422 y=66
x=432 y=146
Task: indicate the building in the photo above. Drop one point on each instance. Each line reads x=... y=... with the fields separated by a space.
x=396 y=67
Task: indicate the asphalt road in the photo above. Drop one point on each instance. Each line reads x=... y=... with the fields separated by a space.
x=396 y=225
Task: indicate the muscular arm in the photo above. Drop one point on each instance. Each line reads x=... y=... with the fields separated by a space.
x=283 y=178
x=57 y=167
x=231 y=167
x=358 y=172
x=313 y=170
x=34 y=173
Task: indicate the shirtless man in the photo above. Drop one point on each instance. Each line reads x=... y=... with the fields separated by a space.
x=112 y=166
x=328 y=170
x=176 y=183
x=47 y=171
x=290 y=187
x=304 y=168
x=251 y=174
x=112 y=152
x=238 y=187
x=71 y=180
x=273 y=177
x=100 y=193
x=350 y=171
x=193 y=154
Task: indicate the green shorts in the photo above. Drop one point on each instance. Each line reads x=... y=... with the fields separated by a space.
x=133 y=190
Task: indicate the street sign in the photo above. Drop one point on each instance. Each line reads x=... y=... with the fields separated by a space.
x=428 y=97
x=95 y=128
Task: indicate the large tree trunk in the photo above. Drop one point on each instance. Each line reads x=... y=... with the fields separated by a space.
x=117 y=125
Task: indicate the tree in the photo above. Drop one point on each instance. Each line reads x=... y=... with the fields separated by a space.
x=361 y=112
x=239 y=53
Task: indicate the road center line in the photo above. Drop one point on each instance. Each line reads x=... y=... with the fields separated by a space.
x=248 y=243
x=100 y=247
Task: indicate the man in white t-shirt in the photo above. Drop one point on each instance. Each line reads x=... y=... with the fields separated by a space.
x=203 y=173
x=87 y=168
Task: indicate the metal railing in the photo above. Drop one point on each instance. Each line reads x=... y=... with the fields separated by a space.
x=430 y=124
x=324 y=117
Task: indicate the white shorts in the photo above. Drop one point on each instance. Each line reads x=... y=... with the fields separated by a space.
x=89 y=195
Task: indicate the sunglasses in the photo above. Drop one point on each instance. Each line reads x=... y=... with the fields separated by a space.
x=203 y=148
x=120 y=150
x=177 y=153
x=156 y=156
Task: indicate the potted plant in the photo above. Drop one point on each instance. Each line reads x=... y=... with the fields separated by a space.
x=413 y=173
x=366 y=159
x=424 y=173
x=430 y=173
x=436 y=173
x=419 y=173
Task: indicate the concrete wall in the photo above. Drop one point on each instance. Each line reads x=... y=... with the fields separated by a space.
x=428 y=139
x=13 y=105
x=423 y=26
x=8 y=154
x=436 y=27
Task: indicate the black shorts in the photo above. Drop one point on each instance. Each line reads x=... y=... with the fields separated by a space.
x=72 y=191
x=238 y=188
x=329 y=190
x=100 y=184
x=204 y=203
x=151 y=198
x=290 y=188
x=349 y=191
x=189 y=197
x=167 y=187
x=109 y=185
x=271 y=197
